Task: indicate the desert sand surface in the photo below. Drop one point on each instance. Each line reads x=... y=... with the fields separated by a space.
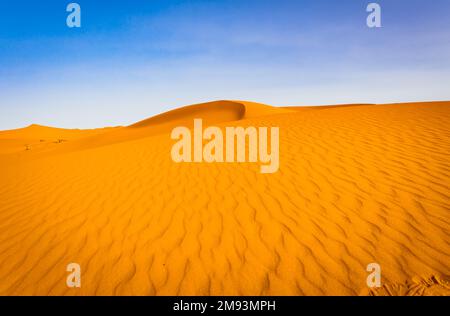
x=356 y=184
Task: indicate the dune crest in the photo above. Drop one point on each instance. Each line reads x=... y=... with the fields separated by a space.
x=211 y=112
x=35 y=131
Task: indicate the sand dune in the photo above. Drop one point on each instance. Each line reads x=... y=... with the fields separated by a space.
x=210 y=112
x=42 y=138
x=356 y=184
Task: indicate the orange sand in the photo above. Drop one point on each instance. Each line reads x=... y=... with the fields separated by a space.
x=356 y=184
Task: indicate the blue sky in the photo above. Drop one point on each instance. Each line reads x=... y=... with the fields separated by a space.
x=134 y=59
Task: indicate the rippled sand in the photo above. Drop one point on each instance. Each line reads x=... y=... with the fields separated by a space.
x=356 y=185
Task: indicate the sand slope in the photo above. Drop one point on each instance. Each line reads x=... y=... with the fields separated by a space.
x=356 y=184
x=41 y=138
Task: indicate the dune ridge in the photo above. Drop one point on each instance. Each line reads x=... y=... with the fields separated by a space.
x=356 y=184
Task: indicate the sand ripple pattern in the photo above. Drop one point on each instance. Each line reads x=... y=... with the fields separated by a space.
x=356 y=185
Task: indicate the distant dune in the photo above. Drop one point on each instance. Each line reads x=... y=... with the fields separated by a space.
x=357 y=184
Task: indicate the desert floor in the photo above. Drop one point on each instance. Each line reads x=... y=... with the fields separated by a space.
x=357 y=184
